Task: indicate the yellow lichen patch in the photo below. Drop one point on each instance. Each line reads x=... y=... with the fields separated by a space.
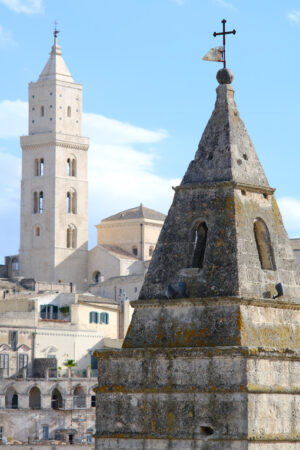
x=171 y=419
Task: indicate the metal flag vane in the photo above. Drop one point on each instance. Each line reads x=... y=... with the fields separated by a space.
x=218 y=54
x=56 y=31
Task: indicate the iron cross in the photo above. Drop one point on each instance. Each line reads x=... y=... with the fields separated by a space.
x=223 y=33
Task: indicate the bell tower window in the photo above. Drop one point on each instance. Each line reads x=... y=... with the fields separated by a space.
x=41 y=202
x=35 y=202
x=42 y=111
x=199 y=238
x=69 y=111
x=73 y=167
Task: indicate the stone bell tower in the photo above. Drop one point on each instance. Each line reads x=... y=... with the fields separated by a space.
x=211 y=359
x=54 y=191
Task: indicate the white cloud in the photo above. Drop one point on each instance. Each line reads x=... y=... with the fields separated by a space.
x=6 y=38
x=224 y=4
x=120 y=175
x=290 y=210
x=13 y=118
x=24 y=6
x=294 y=17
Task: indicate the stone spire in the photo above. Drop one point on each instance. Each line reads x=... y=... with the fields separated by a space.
x=223 y=235
x=55 y=68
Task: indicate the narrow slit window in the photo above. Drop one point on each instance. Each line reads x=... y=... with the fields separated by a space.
x=35 y=202
x=69 y=167
x=68 y=202
x=41 y=202
x=68 y=237
x=73 y=168
x=36 y=167
x=264 y=246
x=42 y=111
x=199 y=238
x=41 y=167
x=69 y=111
x=37 y=231
x=74 y=203
x=74 y=238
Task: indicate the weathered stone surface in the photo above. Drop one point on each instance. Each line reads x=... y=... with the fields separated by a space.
x=218 y=369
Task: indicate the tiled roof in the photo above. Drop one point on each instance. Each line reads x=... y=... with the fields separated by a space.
x=138 y=212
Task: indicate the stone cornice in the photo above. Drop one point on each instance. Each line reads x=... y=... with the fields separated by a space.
x=247 y=187
x=36 y=141
x=217 y=301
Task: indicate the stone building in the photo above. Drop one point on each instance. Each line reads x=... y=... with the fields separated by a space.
x=54 y=190
x=211 y=358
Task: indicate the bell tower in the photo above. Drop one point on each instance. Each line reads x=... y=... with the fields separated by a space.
x=54 y=189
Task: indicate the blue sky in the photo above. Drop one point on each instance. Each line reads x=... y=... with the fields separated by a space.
x=148 y=95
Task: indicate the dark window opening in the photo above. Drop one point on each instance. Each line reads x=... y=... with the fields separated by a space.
x=135 y=250
x=56 y=399
x=13 y=340
x=206 y=431
x=41 y=202
x=199 y=238
x=93 y=401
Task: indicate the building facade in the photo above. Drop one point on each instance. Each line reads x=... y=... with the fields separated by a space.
x=54 y=191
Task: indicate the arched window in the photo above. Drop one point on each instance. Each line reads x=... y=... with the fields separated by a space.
x=11 y=398
x=35 y=398
x=68 y=237
x=79 y=399
x=69 y=167
x=36 y=167
x=264 y=246
x=56 y=399
x=35 y=202
x=199 y=237
x=104 y=318
x=41 y=202
x=42 y=111
x=74 y=237
x=69 y=111
x=41 y=167
x=68 y=202
x=73 y=167
x=135 y=250
x=151 y=250
x=15 y=264
x=74 y=203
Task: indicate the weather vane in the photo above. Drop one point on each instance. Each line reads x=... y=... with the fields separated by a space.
x=56 y=31
x=218 y=54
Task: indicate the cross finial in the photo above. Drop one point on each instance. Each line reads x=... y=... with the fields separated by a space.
x=223 y=33
x=56 y=31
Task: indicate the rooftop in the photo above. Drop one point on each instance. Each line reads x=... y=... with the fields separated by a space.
x=139 y=212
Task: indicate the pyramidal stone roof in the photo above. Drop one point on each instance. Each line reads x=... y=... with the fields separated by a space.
x=223 y=235
x=139 y=212
x=55 y=68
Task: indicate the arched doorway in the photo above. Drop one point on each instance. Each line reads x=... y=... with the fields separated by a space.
x=11 y=398
x=79 y=399
x=35 y=398
x=56 y=399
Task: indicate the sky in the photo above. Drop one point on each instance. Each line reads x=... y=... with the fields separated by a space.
x=147 y=94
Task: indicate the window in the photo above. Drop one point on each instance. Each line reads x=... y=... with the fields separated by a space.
x=51 y=355
x=93 y=317
x=35 y=203
x=42 y=111
x=13 y=340
x=71 y=202
x=69 y=111
x=74 y=237
x=49 y=312
x=93 y=401
x=199 y=237
x=23 y=361
x=151 y=249
x=104 y=318
x=56 y=399
x=37 y=231
x=35 y=398
x=11 y=398
x=79 y=400
x=68 y=237
x=4 y=362
x=69 y=167
x=41 y=202
x=1 y=433
x=135 y=250
x=41 y=167
x=264 y=246
x=45 y=433
x=94 y=363
x=36 y=167
x=73 y=168
x=97 y=276
x=71 y=237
